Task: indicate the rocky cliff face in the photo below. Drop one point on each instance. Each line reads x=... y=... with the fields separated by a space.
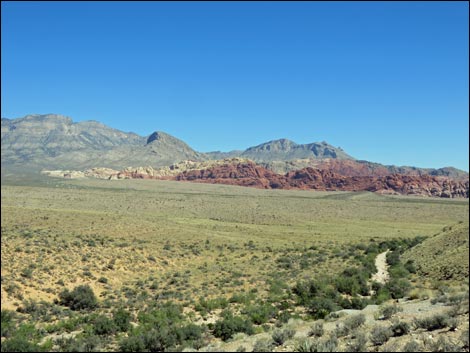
x=251 y=174
x=247 y=173
x=349 y=167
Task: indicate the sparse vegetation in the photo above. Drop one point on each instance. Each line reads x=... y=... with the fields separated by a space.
x=109 y=274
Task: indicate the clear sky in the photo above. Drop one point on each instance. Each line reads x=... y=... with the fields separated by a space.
x=386 y=81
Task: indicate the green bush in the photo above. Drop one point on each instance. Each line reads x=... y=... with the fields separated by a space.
x=122 y=320
x=133 y=343
x=260 y=314
x=8 y=325
x=190 y=332
x=161 y=339
x=320 y=307
x=81 y=297
x=230 y=325
x=19 y=344
x=280 y=336
x=397 y=287
x=103 y=326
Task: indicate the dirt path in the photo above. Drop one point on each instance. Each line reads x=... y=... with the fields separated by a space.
x=382 y=275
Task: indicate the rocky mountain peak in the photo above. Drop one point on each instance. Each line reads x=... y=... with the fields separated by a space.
x=157 y=136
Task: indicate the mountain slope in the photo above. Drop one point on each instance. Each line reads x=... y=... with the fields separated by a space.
x=284 y=149
x=443 y=256
x=54 y=141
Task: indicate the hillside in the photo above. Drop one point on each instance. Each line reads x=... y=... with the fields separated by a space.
x=443 y=256
x=55 y=141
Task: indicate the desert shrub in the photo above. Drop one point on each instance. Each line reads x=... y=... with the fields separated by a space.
x=260 y=314
x=103 y=280
x=358 y=344
x=190 y=332
x=464 y=338
x=443 y=344
x=354 y=321
x=308 y=345
x=230 y=325
x=307 y=290
x=89 y=343
x=69 y=344
x=393 y=258
x=317 y=329
x=122 y=320
x=263 y=345
x=431 y=323
x=410 y=266
x=102 y=325
x=349 y=324
x=305 y=345
x=400 y=328
x=19 y=344
x=412 y=346
x=211 y=304
x=159 y=340
x=387 y=311
x=452 y=323
x=8 y=324
x=283 y=317
x=166 y=314
x=320 y=307
x=380 y=334
x=381 y=295
x=280 y=336
x=356 y=303
x=81 y=297
x=397 y=287
x=132 y=343
x=27 y=272
x=32 y=307
x=353 y=281
x=326 y=345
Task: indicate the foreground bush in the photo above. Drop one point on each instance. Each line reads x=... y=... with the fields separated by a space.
x=380 y=334
x=230 y=325
x=81 y=297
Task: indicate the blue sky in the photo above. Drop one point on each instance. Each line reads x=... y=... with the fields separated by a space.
x=386 y=81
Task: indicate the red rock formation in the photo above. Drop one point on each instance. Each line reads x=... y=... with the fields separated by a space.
x=251 y=174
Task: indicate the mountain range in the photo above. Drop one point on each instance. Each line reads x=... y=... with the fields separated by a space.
x=54 y=141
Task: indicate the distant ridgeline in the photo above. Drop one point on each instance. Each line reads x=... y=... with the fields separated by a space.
x=91 y=149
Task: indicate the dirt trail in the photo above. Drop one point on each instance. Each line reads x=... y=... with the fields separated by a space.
x=382 y=275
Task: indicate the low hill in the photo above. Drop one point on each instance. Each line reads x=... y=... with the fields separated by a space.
x=443 y=256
